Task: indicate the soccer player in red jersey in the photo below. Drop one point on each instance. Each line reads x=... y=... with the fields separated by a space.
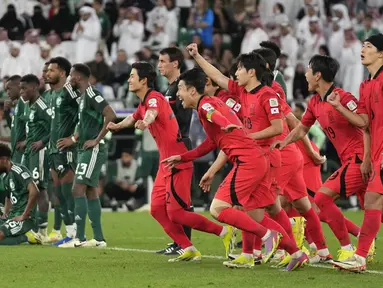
x=262 y=119
x=347 y=140
x=170 y=198
x=290 y=176
x=248 y=184
x=370 y=117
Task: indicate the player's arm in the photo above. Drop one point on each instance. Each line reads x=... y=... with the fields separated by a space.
x=366 y=166
x=218 y=163
x=33 y=194
x=209 y=69
x=126 y=123
x=297 y=134
x=109 y=116
x=7 y=206
x=275 y=129
x=204 y=148
x=359 y=120
x=150 y=116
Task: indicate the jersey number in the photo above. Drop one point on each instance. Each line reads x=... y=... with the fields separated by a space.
x=330 y=132
x=247 y=122
x=35 y=174
x=13 y=199
x=81 y=168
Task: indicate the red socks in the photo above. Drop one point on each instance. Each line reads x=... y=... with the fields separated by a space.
x=314 y=228
x=241 y=220
x=370 y=227
x=293 y=213
x=174 y=230
x=257 y=244
x=352 y=228
x=334 y=217
x=195 y=221
x=248 y=242
x=282 y=219
x=308 y=237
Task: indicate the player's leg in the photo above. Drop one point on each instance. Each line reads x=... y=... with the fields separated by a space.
x=177 y=204
x=55 y=234
x=15 y=233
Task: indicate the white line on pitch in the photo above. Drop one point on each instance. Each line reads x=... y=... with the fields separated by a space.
x=223 y=258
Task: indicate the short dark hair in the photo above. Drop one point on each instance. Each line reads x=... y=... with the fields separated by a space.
x=271 y=45
x=98 y=1
x=233 y=70
x=62 y=63
x=269 y=55
x=30 y=78
x=83 y=69
x=5 y=151
x=300 y=106
x=258 y=63
x=47 y=63
x=326 y=65
x=281 y=7
x=145 y=70
x=195 y=78
x=174 y=54
x=14 y=78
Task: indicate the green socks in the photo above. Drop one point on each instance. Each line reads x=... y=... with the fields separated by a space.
x=80 y=211
x=58 y=218
x=16 y=240
x=66 y=190
x=94 y=212
x=42 y=219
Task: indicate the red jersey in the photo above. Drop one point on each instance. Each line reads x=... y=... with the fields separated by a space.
x=230 y=100
x=371 y=103
x=259 y=107
x=308 y=162
x=164 y=129
x=290 y=154
x=346 y=138
x=233 y=144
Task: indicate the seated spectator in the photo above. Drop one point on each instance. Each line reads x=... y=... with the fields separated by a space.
x=57 y=47
x=158 y=40
x=61 y=20
x=120 y=70
x=39 y=21
x=124 y=188
x=368 y=28
x=99 y=69
x=4 y=45
x=12 y=24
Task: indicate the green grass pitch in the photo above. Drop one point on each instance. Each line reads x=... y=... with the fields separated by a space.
x=133 y=264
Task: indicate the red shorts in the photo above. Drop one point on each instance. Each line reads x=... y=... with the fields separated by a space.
x=313 y=179
x=375 y=183
x=248 y=184
x=347 y=180
x=172 y=190
x=291 y=182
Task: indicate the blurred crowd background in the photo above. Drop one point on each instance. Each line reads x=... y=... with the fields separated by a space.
x=110 y=35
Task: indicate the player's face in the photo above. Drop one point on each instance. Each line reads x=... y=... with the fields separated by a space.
x=134 y=81
x=53 y=74
x=310 y=78
x=370 y=54
x=27 y=90
x=184 y=94
x=45 y=70
x=74 y=78
x=242 y=75
x=12 y=88
x=165 y=66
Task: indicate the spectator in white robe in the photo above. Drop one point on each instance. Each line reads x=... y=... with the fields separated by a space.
x=87 y=34
x=289 y=44
x=15 y=63
x=351 y=69
x=45 y=50
x=254 y=36
x=341 y=11
x=57 y=47
x=4 y=45
x=130 y=31
x=303 y=25
x=313 y=40
x=336 y=40
x=31 y=46
x=157 y=17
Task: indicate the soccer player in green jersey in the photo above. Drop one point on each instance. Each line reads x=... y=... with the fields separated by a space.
x=64 y=105
x=95 y=114
x=37 y=136
x=18 y=222
x=17 y=121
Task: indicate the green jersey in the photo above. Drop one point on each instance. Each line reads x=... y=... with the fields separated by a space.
x=91 y=118
x=278 y=77
x=16 y=186
x=38 y=123
x=64 y=105
x=18 y=124
x=47 y=96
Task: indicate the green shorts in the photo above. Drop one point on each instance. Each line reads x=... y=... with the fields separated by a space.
x=15 y=228
x=17 y=156
x=89 y=163
x=61 y=163
x=148 y=164
x=37 y=163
